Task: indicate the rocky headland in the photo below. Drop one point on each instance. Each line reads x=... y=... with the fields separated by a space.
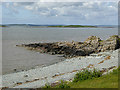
x=92 y=44
x=104 y=58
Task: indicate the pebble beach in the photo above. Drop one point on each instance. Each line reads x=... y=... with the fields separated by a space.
x=64 y=70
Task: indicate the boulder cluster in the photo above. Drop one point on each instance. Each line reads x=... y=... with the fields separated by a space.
x=92 y=44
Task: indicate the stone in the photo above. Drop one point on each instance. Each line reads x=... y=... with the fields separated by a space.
x=92 y=44
x=19 y=83
x=112 y=43
x=93 y=40
x=15 y=70
x=25 y=75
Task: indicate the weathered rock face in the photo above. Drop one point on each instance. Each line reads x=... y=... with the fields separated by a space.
x=70 y=49
x=93 y=40
x=92 y=43
x=112 y=43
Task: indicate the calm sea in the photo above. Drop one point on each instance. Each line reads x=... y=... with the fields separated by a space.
x=19 y=58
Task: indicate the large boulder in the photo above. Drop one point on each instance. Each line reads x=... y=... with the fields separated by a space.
x=112 y=43
x=93 y=40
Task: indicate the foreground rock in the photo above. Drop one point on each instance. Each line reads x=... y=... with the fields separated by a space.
x=70 y=49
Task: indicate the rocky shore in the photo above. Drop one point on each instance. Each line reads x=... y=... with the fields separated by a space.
x=92 y=53
x=65 y=70
x=92 y=44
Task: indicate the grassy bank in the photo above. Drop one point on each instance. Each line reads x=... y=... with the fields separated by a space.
x=105 y=81
x=89 y=80
x=73 y=26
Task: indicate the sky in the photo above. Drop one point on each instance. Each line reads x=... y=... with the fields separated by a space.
x=57 y=13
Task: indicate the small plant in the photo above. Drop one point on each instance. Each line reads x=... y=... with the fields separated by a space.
x=96 y=73
x=116 y=71
x=63 y=84
x=47 y=86
x=86 y=74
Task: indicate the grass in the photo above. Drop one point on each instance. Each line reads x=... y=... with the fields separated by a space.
x=63 y=84
x=87 y=74
x=106 y=81
x=88 y=79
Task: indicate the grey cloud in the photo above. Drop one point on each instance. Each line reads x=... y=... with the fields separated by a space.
x=83 y=10
x=24 y=3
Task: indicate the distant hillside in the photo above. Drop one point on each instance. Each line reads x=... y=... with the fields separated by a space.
x=60 y=26
x=3 y=26
x=74 y=26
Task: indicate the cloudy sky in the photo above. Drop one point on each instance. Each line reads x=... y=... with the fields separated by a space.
x=84 y=13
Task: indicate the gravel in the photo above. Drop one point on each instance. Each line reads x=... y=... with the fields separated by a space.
x=64 y=70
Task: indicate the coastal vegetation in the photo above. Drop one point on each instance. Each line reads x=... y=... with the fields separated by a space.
x=86 y=74
x=109 y=80
x=91 y=79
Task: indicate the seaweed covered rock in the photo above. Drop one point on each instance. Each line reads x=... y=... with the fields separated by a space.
x=92 y=44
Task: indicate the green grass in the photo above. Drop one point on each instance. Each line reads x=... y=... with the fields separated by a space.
x=105 y=81
x=91 y=80
x=87 y=74
x=63 y=84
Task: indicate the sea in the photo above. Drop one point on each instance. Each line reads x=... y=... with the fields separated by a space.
x=15 y=59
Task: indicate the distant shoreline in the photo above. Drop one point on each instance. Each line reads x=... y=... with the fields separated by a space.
x=60 y=26
x=73 y=26
x=3 y=26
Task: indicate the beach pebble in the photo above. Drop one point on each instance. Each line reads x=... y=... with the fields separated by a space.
x=25 y=75
x=19 y=83
x=15 y=69
x=56 y=81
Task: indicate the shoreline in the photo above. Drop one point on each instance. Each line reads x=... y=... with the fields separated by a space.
x=93 y=44
x=92 y=53
x=15 y=70
x=59 y=26
x=64 y=70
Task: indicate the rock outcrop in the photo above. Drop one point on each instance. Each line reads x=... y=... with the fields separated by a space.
x=112 y=43
x=70 y=49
